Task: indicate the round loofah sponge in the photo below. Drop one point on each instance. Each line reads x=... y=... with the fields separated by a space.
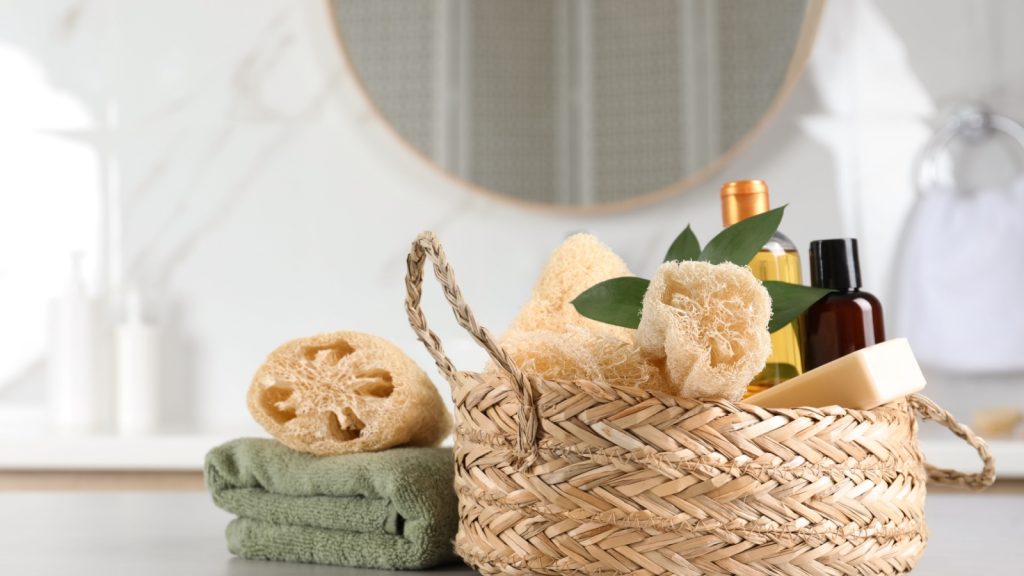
x=578 y=354
x=708 y=323
x=346 y=392
x=579 y=263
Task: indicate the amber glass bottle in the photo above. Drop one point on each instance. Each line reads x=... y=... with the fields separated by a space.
x=846 y=320
x=777 y=260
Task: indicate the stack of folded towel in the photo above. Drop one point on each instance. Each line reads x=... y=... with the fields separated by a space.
x=392 y=509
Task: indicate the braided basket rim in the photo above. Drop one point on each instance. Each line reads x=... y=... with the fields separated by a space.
x=886 y=412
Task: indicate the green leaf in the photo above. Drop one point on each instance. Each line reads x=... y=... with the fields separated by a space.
x=684 y=247
x=790 y=301
x=740 y=242
x=618 y=301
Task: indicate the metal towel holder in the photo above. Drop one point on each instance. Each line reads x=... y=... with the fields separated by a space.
x=972 y=123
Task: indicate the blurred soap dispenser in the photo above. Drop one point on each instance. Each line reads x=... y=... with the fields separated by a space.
x=74 y=394
x=137 y=351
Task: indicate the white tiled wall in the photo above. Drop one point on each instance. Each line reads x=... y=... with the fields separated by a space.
x=262 y=201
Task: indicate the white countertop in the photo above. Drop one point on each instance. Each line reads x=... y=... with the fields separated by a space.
x=114 y=534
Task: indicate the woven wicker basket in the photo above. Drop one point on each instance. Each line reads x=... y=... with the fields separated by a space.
x=586 y=478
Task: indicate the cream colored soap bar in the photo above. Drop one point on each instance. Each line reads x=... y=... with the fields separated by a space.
x=863 y=379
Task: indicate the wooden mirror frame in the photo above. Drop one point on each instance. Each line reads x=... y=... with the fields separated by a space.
x=797 y=64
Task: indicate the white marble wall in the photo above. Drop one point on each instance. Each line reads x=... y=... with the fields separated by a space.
x=262 y=201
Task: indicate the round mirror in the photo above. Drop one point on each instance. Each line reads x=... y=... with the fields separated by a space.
x=576 y=103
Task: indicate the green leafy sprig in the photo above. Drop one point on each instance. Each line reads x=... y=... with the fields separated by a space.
x=620 y=301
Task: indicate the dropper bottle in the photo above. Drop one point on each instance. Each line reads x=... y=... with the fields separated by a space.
x=847 y=319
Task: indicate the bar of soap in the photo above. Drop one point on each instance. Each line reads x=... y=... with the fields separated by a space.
x=997 y=422
x=861 y=380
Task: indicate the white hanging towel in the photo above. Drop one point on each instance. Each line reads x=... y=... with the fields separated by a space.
x=960 y=288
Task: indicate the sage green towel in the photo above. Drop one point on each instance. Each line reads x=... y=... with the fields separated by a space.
x=392 y=509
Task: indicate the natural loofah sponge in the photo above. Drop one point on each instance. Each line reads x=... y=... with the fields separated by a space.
x=708 y=323
x=346 y=392
x=579 y=263
x=578 y=354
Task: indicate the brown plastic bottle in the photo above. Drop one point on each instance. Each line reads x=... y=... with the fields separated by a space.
x=847 y=319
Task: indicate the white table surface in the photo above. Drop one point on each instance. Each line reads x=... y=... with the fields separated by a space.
x=180 y=534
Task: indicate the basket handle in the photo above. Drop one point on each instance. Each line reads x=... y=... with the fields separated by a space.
x=929 y=410
x=426 y=247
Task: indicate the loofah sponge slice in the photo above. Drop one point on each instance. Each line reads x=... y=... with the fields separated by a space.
x=708 y=323
x=579 y=263
x=578 y=354
x=346 y=392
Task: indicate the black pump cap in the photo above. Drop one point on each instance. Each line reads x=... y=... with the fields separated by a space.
x=834 y=264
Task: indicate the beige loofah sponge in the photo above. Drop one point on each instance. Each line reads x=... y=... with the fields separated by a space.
x=579 y=263
x=708 y=323
x=578 y=354
x=346 y=392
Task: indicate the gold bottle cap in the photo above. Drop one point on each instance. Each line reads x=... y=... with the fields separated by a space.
x=742 y=199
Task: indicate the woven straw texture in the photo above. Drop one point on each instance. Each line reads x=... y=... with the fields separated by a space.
x=585 y=478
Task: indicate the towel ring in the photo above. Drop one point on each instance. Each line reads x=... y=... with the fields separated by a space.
x=972 y=123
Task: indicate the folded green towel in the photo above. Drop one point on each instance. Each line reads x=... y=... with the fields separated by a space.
x=392 y=509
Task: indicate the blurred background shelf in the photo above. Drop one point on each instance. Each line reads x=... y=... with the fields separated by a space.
x=107 y=453
x=954 y=453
